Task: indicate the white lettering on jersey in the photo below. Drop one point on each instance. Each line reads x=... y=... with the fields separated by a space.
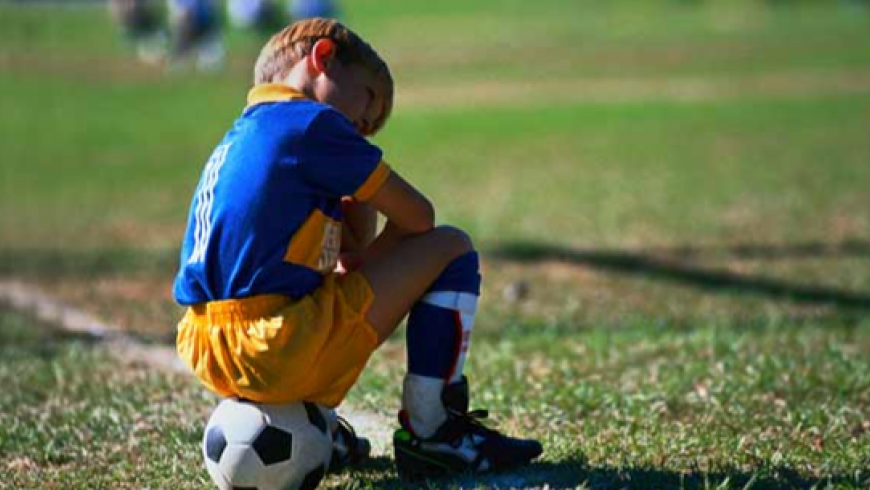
x=331 y=247
x=204 y=202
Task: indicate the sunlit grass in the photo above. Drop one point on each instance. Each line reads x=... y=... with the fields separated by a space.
x=778 y=407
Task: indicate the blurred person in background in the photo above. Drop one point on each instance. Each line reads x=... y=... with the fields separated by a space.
x=195 y=34
x=141 y=24
x=261 y=16
x=264 y=17
x=307 y=9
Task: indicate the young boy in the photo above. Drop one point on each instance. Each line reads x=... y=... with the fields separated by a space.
x=290 y=291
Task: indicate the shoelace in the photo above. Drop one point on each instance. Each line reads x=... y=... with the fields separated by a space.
x=473 y=421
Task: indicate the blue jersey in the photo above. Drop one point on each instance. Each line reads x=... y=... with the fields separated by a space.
x=266 y=216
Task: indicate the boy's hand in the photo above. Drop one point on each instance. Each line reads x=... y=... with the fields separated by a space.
x=359 y=225
x=348 y=262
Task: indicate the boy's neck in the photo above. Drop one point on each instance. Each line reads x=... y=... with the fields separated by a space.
x=299 y=79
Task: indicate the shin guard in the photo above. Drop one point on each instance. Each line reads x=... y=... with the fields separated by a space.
x=438 y=338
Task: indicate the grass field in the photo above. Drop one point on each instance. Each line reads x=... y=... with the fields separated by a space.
x=680 y=188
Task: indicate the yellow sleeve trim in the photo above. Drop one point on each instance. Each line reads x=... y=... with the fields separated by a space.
x=373 y=184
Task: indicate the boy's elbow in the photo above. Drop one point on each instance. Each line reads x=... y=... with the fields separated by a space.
x=424 y=219
x=403 y=205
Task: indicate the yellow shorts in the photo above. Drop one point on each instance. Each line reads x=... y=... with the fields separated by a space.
x=272 y=349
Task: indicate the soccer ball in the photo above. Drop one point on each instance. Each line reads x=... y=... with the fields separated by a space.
x=267 y=447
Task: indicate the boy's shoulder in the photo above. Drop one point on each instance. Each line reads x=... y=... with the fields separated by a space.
x=282 y=113
x=298 y=116
x=278 y=100
x=297 y=111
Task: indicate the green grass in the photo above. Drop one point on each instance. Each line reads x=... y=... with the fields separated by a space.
x=71 y=418
x=596 y=174
x=757 y=405
x=681 y=188
x=711 y=408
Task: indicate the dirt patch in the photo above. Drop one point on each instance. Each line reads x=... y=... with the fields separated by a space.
x=501 y=92
x=97 y=68
x=81 y=66
x=141 y=306
x=494 y=93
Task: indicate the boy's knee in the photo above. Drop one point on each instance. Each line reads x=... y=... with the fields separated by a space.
x=458 y=241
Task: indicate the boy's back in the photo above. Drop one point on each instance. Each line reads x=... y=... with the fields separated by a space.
x=270 y=189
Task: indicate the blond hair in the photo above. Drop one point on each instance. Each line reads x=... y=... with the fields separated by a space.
x=294 y=42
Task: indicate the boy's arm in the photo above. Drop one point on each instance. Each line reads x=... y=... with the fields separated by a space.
x=407 y=210
x=404 y=206
x=360 y=225
x=359 y=228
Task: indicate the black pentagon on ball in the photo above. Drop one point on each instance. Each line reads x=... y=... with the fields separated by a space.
x=273 y=445
x=215 y=443
x=315 y=416
x=312 y=479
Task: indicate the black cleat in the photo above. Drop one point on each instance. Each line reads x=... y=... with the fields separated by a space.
x=462 y=444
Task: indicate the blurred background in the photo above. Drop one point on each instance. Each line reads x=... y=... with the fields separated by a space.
x=682 y=161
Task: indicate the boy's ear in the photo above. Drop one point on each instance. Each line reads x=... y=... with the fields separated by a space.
x=321 y=55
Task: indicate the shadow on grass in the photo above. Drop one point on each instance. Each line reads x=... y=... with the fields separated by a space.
x=575 y=472
x=22 y=336
x=650 y=265
x=763 y=479
x=666 y=264
x=789 y=251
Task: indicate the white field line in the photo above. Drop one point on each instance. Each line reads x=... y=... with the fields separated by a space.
x=50 y=310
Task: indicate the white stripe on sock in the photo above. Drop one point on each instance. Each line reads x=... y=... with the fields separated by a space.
x=453 y=300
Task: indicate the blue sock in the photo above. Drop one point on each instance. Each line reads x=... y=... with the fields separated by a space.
x=440 y=324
